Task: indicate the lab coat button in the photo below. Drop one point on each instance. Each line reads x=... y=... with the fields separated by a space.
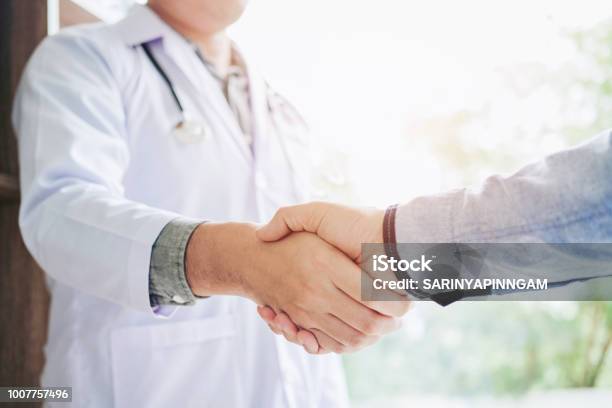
x=178 y=299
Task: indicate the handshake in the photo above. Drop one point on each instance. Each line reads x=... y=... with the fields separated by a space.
x=302 y=268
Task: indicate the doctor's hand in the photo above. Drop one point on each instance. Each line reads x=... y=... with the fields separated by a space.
x=345 y=228
x=302 y=276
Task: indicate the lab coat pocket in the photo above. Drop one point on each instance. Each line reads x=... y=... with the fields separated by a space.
x=185 y=364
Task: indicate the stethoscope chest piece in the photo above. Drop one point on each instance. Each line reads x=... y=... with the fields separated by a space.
x=191 y=131
x=187 y=130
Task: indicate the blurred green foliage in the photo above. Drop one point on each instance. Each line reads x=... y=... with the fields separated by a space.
x=503 y=348
x=594 y=80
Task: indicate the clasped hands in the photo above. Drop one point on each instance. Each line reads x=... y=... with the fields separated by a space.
x=302 y=268
x=344 y=228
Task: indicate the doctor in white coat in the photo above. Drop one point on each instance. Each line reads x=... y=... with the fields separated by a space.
x=130 y=138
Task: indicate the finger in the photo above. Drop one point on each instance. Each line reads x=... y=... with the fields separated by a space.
x=302 y=336
x=274 y=329
x=305 y=217
x=326 y=343
x=396 y=308
x=274 y=230
x=308 y=341
x=266 y=313
x=349 y=277
x=346 y=304
x=286 y=325
x=345 y=274
x=364 y=319
x=341 y=332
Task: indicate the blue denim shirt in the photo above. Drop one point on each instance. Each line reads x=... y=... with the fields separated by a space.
x=564 y=198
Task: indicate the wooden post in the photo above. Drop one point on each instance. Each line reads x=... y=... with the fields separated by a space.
x=23 y=296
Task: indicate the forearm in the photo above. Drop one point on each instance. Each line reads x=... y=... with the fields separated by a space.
x=559 y=199
x=563 y=199
x=216 y=258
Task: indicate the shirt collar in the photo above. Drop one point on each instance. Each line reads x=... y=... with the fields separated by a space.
x=236 y=68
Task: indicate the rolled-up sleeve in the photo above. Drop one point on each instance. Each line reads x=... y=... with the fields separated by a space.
x=565 y=198
x=167 y=281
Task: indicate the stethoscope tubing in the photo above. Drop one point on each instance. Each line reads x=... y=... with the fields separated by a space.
x=164 y=76
x=179 y=105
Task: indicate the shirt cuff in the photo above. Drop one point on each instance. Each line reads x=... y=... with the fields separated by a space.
x=424 y=220
x=167 y=281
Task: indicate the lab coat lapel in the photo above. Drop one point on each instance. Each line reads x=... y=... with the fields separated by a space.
x=207 y=91
x=143 y=25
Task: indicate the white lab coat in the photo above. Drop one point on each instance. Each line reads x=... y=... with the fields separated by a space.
x=102 y=174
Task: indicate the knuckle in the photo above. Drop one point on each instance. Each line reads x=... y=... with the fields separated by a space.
x=281 y=215
x=357 y=340
x=294 y=314
x=339 y=348
x=302 y=319
x=374 y=325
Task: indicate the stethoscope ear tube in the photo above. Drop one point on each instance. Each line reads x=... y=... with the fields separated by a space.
x=162 y=73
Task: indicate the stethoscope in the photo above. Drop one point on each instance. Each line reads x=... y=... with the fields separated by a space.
x=191 y=131
x=186 y=130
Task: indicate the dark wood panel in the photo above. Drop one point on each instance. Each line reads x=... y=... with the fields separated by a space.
x=22 y=25
x=23 y=297
x=9 y=188
x=23 y=311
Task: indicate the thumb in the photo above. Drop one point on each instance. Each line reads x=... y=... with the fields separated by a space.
x=290 y=219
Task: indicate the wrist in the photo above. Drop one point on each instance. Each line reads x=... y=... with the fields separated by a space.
x=377 y=222
x=217 y=258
